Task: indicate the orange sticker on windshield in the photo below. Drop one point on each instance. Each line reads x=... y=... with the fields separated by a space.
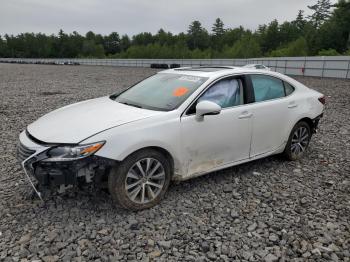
x=180 y=91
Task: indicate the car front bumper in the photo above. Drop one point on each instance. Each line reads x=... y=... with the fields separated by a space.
x=61 y=174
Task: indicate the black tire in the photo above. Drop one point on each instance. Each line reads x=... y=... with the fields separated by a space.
x=118 y=176
x=289 y=151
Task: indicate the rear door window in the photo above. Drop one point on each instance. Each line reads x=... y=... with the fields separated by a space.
x=267 y=87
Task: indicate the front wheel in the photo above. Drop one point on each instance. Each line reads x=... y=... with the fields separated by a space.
x=140 y=181
x=298 y=141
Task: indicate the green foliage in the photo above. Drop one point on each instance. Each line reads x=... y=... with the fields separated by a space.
x=269 y=36
x=91 y=49
x=4 y=52
x=142 y=39
x=246 y=47
x=295 y=48
x=328 y=52
x=233 y=35
x=111 y=43
x=325 y=32
x=125 y=43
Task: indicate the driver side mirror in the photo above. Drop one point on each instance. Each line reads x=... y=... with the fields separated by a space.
x=207 y=108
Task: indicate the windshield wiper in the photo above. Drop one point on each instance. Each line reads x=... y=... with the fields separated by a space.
x=130 y=104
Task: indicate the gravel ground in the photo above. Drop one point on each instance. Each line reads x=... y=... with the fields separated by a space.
x=268 y=210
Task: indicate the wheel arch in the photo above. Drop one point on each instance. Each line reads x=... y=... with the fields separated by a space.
x=308 y=121
x=287 y=150
x=161 y=150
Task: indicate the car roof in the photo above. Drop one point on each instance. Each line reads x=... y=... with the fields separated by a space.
x=212 y=71
x=205 y=68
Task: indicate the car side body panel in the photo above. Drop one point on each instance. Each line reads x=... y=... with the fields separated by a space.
x=215 y=140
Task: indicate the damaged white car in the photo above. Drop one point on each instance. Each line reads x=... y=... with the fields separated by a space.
x=175 y=125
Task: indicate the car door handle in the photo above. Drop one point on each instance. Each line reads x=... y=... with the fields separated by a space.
x=292 y=105
x=245 y=114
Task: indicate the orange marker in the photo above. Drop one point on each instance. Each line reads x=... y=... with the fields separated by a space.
x=180 y=91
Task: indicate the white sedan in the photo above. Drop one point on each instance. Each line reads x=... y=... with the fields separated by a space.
x=175 y=125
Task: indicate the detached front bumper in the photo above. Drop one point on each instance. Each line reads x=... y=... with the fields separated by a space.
x=59 y=174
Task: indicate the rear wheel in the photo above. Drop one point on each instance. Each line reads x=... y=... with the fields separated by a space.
x=140 y=181
x=298 y=141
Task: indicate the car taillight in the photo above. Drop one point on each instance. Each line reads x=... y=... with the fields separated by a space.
x=322 y=99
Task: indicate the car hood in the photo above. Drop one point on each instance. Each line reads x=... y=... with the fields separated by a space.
x=74 y=123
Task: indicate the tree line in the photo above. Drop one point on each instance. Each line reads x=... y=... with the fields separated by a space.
x=325 y=32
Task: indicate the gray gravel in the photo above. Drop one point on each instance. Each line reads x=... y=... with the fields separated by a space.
x=268 y=210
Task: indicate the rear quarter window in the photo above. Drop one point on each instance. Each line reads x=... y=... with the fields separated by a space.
x=288 y=88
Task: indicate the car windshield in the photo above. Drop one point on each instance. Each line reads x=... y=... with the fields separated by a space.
x=163 y=91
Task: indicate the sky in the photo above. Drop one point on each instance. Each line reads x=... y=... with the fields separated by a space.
x=135 y=16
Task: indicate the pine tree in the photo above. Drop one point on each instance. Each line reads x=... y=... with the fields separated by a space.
x=322 y=11
x=198 y=36
x=218 y=27
x=218 y=34
x=300 y=20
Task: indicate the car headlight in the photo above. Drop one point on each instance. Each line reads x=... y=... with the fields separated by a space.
x=68 y=153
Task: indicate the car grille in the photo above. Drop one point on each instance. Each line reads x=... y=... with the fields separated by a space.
x=23 y=152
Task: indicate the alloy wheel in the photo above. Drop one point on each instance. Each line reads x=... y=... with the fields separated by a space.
x=145 y=180
x=300 y=141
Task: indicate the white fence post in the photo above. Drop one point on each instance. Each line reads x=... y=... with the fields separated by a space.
x=285 y=66
x=323 y=67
